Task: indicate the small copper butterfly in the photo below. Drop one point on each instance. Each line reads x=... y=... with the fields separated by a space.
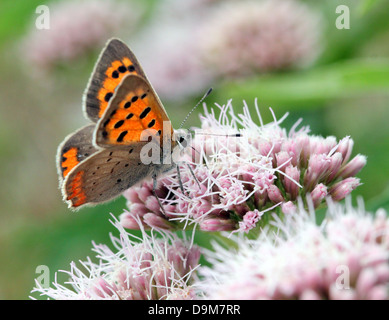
x=101 y=160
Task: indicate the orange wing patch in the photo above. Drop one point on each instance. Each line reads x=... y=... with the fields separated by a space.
x=76 y=194
x=136 y=113
x=69 y=161
x=114 y=76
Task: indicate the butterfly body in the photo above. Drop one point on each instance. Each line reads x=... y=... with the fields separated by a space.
x=130 y=139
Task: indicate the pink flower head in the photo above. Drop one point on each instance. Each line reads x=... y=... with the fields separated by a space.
x=344 y=258
x=226 y=175
x=156 y=268
x=343 y=188
x=243 y=37
x=318 y=194
x=77 y=28
x=250 y=220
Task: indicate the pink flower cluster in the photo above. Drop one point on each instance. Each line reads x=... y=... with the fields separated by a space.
x=344 y=258
x=76 y=28
x=235 y=170
x=189 y=45
x=156 y=268
x=245 y=37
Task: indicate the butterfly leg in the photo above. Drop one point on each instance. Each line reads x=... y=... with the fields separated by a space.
x=155 y=193
x=179 y=179
x=191 y=171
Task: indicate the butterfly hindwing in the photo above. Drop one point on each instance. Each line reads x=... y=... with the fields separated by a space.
x=115 y=62
x=104 y=176
x=135 y=107
x=74 y=149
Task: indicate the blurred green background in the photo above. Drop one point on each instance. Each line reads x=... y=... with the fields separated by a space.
x=344 y=92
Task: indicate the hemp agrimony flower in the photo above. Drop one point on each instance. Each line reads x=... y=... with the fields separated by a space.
x=346 y=257
x=247 y=37
x=238 y=168
x=155 y=268
x=75 y=29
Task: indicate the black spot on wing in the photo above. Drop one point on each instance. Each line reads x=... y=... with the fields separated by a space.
x=151 y=123
x=121 y=136
x=118 y=124
x=144 y=113
x=108 y=96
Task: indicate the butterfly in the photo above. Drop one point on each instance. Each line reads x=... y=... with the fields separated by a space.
x=101 y=160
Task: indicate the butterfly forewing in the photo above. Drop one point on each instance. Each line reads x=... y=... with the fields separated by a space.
x=115 y=62
x=133 y=109
x=74 y=149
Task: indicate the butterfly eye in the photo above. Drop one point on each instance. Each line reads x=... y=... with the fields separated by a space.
x=182 y=142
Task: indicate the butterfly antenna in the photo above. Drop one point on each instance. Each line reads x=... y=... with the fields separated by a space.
x=198 y=103
x=219 y=134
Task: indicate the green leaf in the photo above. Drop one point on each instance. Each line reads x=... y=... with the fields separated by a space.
x=367 y=5
x=16 y=18
x=310 y=88
x=380 y=201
